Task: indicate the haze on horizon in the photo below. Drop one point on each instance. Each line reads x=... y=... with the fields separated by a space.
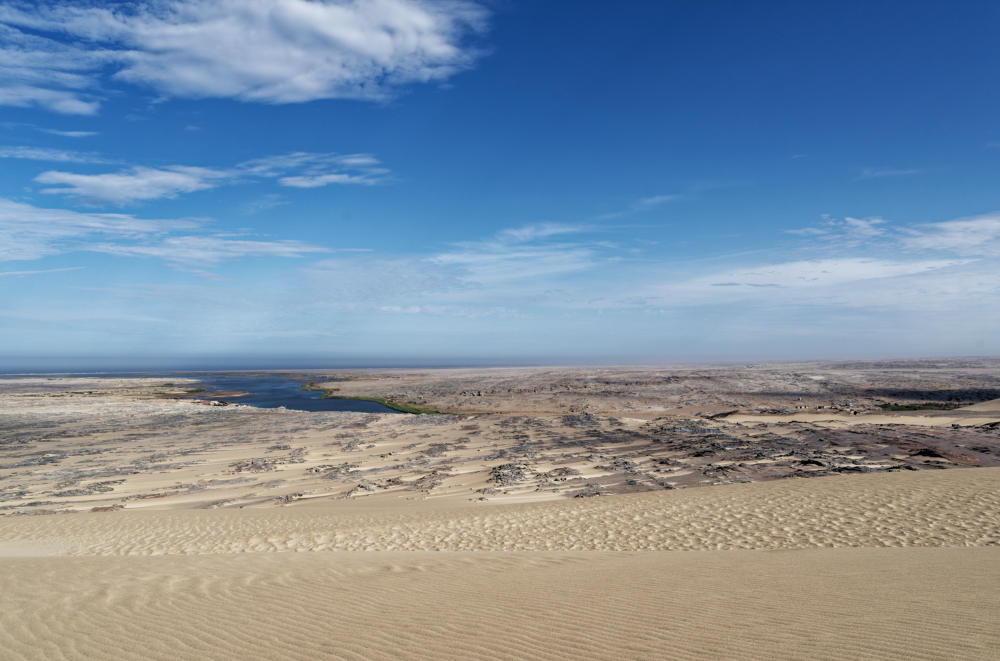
x=432 y=182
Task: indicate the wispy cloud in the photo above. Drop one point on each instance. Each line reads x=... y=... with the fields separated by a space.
x=977 y=236
x=61 y=101
x=819 y=273
x=519 y=253
x=537 y=231
x=69 y=134
x=868 y=262
x=21 y=274
x=51 y=155
x=653 y=201
x=207 y=250
x=844 y=232
x=263 y=203
x=319 y=180
x=139 y=183
x=488 y=264
x=641 y=205
x=297 y=169
x=29 y=232
x=882 y=173
x=300 y=51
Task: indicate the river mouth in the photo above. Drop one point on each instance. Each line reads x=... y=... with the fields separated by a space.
x=270 y=391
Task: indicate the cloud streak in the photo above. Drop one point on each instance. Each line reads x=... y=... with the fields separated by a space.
x=977 y=236
x=521 y=253
x=884 y=173
x=28 y=232
x=208 y=250
x=139 y=183
x=51 y=155
x=21 y=274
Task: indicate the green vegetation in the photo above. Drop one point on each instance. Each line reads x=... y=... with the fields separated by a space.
x=925 y=406
x=402 y=407
x=395 y=406
x=194 y=390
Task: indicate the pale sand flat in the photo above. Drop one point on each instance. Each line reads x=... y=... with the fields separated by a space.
x=992 y=406
x=220 y=591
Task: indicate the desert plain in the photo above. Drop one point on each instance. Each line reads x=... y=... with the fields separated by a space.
x=808 y=510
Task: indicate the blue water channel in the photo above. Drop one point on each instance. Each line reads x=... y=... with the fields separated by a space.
x=273 y=391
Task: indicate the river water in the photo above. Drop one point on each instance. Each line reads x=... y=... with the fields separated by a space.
x=273 y=391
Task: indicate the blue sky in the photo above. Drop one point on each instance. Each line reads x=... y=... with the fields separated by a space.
x=297 y=182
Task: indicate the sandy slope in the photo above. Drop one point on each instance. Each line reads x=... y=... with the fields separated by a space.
x=939 y=508
x=827 y=604
x=75 y=586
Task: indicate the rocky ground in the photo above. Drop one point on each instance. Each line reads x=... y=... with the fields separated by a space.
x=508 y=435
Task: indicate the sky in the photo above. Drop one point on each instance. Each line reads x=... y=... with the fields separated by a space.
x=443 y=182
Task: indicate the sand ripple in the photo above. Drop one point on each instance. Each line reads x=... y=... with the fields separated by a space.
x=816 y=604
x=946 y=508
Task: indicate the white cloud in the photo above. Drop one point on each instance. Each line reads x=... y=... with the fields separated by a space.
x=845 y=233
x=70 y=134
x=263 y=203
x=653 y=201
x=368 y=279
x=537 y=231
x=640 y=205
x=871 y=263
x=318 y=180
x=819 y=272
x=297 y=169
x=53 y=155
x=62 y=101
x=301 y=50
x=139 y=183
x=313 y=170
x=20 y=274
x=493 y=264
x=975 y=236
x=519 y=254
x=207 y=250
x=28 y=232
x=882 y=173
x=36 y=71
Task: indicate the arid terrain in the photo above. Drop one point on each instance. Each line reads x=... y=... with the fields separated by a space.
x=656 y=512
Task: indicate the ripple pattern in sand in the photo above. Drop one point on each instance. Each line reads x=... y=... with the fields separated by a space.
x=947 y=508
x=824 y=603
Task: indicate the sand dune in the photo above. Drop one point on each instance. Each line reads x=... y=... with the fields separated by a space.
x=940 y=508
x=829 y=604
x=513 y=584
x=992 y=406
